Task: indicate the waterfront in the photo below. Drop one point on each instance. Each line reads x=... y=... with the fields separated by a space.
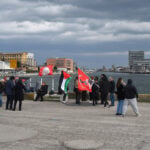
x=141 y=81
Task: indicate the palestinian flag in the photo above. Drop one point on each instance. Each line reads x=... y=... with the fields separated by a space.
x=65 y=79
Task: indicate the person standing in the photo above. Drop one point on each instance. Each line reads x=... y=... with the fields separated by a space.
x=77 y=92
x=60 y=91
x=90 y=93
x=131 y=96
x=1 y=91
x=120 y=95
x=19 y=94
x=84 y=95
x=9 y=89
x=112 y=91
x=104 y=89
x=95 y=91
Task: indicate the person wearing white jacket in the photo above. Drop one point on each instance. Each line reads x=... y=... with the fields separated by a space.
x=131 y=96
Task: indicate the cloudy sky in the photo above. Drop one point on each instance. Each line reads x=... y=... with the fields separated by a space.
x=92 y=32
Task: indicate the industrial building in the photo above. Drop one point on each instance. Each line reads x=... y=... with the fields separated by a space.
x=137 y=62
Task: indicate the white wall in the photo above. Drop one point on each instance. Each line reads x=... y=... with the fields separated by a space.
x=4 y=65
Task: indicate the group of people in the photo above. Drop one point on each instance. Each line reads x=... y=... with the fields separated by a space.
x=102 y=88
x=14 y=90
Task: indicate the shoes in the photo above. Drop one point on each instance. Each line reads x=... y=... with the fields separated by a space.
x=89 y=101
x=118 y=114
x=138 y=115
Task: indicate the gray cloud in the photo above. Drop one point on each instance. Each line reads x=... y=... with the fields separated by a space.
x=70 y=27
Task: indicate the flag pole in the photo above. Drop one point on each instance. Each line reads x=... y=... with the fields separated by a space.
x=52 y=83
x=30 y=82
x=41 y=80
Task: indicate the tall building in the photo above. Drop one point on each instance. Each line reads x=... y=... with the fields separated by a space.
x=25 y=59
x=137 y=62
x=61 y=63
x=135 y=56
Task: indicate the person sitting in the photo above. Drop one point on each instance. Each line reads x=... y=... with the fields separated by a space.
x=42 y=91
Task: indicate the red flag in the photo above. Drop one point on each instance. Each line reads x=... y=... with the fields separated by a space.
x=46 y=70
x=83 y=81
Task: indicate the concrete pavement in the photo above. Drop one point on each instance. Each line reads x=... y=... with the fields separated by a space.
x=47 y=125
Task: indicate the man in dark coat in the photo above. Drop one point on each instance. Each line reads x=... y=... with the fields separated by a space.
x=19 y=94
x=42 y=91
x=104 y=89
x=95 y=91
x=9 y=89
x=112 y=91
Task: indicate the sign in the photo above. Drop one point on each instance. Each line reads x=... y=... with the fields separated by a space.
x=13 y=63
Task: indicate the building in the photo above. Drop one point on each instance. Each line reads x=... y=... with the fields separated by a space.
x=61 y=63
x=137 y=62
x=4 y=65
x=142 y=65
x=135 y=56
x=31 y=60
x=24 y=59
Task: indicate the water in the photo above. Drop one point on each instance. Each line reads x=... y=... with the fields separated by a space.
x=141 y=81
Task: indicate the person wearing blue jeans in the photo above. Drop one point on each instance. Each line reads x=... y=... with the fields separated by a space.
x=120 y=95
x=112 y=99
x=120 y=107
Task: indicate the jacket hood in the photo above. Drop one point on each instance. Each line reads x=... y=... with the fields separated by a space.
x=129 y=81
x=104 y=78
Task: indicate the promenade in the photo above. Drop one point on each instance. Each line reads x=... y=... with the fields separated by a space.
x=47 y=125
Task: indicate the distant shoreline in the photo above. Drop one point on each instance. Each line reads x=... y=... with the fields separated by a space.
x=127 y=72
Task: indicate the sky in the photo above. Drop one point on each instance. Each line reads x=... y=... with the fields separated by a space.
x=94 y=33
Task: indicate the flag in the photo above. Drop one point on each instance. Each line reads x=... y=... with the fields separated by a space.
x=46 y=70
x=83 y=81
x=65 y=81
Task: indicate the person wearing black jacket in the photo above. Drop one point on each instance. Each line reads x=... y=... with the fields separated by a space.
x=112 y=91
x=42 y=91
x=131 y=96
x=104 y=89
x=95 y=91
x=9 y=90
x=19 y=94
x=120 y=95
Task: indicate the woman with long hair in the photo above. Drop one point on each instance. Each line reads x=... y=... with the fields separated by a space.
x=120 y=95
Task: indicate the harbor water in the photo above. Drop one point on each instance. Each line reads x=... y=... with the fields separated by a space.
x=141 y=81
